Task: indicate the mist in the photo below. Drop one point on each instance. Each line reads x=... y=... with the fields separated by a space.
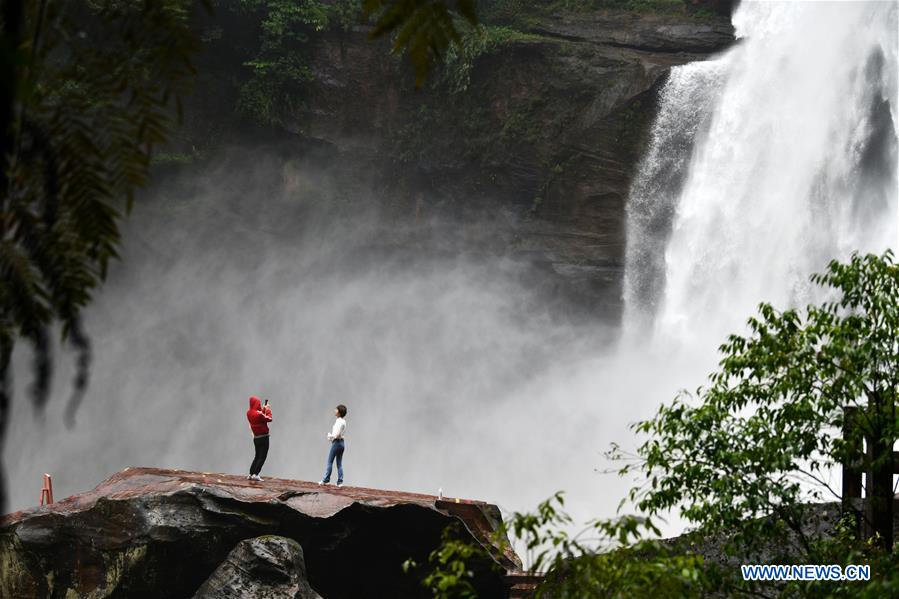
x=288 y=281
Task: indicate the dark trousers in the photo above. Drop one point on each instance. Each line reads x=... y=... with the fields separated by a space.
x=261 y=445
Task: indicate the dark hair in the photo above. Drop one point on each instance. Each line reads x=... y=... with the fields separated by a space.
x=341 y=409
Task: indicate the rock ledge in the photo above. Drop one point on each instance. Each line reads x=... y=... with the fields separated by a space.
x=148 y=532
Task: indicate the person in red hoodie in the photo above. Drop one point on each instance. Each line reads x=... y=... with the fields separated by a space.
x=259 y=416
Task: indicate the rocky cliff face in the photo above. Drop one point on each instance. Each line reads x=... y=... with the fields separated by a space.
x=539 y=132
x=163 y=533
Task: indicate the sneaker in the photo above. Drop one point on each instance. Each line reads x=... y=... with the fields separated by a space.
x=249 y=477
x=339 y=485
x=322 y=482
x=258 y=478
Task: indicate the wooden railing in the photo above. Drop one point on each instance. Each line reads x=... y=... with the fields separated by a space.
x=522 y=584
x=856 y=476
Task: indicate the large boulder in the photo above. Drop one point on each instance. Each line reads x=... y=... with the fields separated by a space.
x=268 y=567
x=155 y=533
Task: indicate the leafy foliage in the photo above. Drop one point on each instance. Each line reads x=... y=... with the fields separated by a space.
x=662 y=6
x=279 y=65
x=761 y=438
x=451 y=567
x=423 y=29
x=590 y=564
x=276 y=40
x=92 y=88
x=458 y=61
x=845 y=548
x=609 y=558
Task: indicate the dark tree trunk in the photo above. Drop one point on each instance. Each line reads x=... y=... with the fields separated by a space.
x=879 y=473
x=853 y=468
x=879 y=492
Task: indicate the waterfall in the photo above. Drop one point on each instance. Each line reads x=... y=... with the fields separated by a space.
x=684 y=109
x=763 y=165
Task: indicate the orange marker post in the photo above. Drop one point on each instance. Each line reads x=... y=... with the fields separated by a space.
x=47 y=490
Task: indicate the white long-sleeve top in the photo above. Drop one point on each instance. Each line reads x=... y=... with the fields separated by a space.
x=337 y=430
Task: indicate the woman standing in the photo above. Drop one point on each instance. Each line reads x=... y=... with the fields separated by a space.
x=258 y=416
x=337 y=446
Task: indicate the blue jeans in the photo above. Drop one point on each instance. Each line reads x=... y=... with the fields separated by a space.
x=336 y=451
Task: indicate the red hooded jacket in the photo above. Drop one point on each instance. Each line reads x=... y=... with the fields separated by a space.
x=258 y=417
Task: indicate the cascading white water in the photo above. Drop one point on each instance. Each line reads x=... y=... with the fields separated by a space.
x=685 y=104
x=794 y=162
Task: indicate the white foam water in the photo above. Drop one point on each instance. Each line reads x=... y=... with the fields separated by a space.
x=793 y=163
